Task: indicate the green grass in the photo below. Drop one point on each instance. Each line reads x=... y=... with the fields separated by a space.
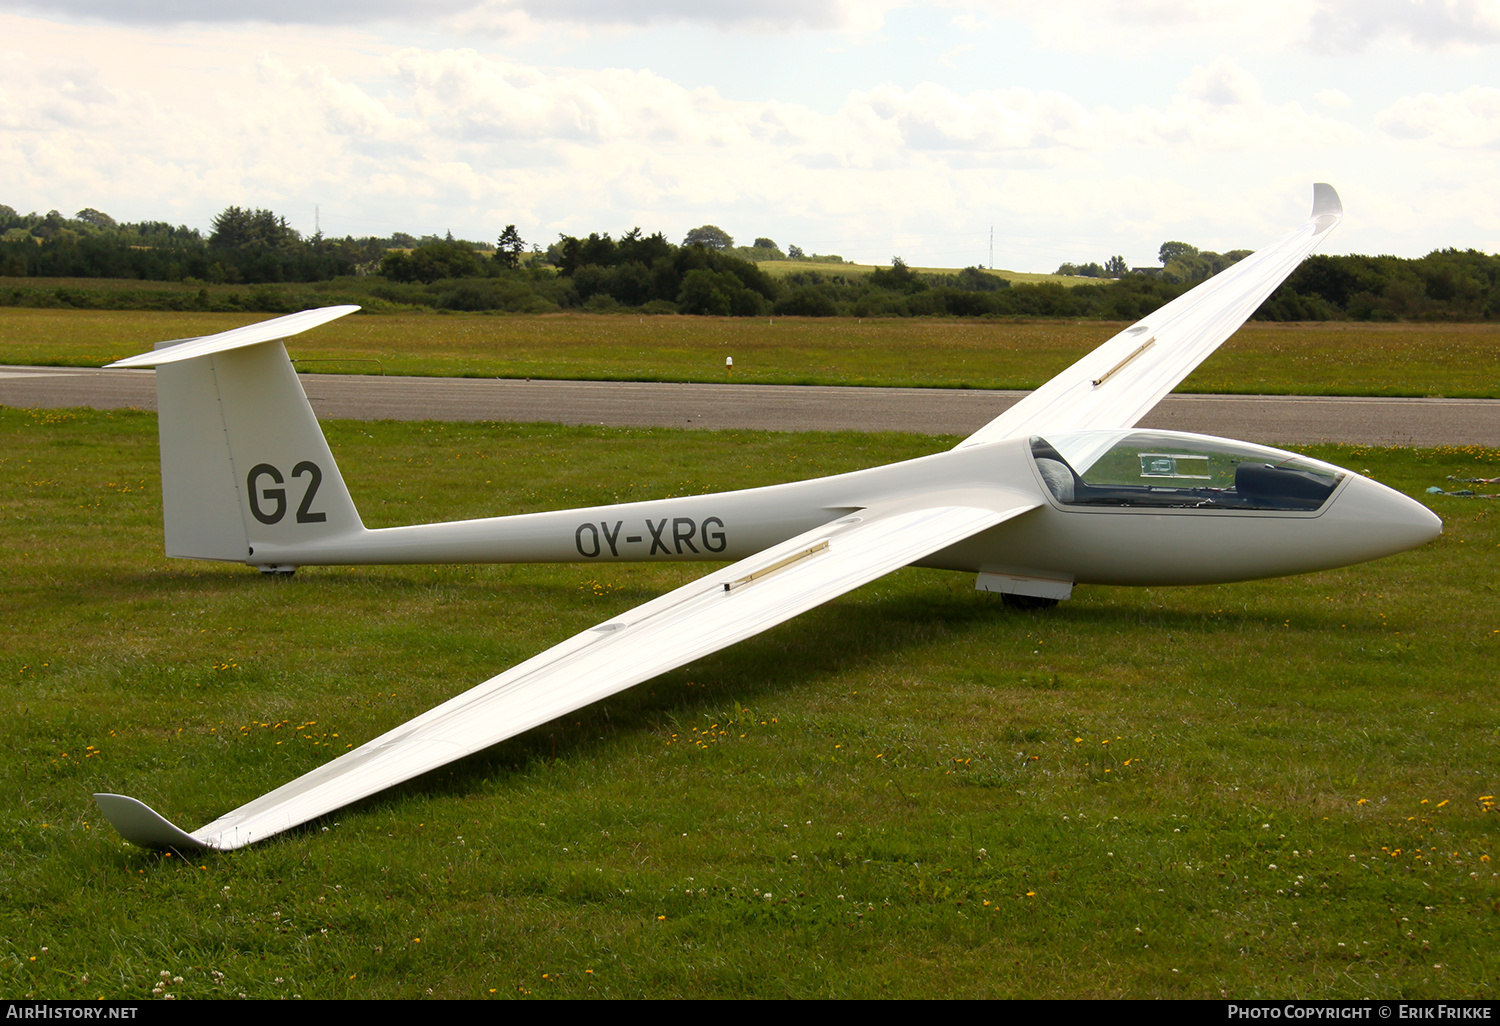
x=782 y=268
x=1272 y=359
x=1258 y=790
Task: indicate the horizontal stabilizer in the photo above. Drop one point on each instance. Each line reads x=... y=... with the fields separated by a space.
x=140 y=824
x=251 y=334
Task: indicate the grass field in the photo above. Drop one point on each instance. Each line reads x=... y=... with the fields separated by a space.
x=1283 y=788
x=782 y=268
x=1273 y=359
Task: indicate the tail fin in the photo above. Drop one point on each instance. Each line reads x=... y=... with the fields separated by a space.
x=244 y=466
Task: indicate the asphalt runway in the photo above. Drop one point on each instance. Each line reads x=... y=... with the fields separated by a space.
x=1273 y=420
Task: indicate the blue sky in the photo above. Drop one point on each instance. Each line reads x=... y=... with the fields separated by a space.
x=1076 y=129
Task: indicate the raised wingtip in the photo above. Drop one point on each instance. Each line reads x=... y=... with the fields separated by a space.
x=140 y=824
x=1326 y=201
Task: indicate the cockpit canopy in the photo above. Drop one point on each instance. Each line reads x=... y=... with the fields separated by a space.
x=1173 y=470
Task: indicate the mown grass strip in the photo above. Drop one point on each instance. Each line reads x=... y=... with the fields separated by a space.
x=1270 y=359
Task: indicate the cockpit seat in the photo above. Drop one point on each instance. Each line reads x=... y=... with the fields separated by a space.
x=1281 y=487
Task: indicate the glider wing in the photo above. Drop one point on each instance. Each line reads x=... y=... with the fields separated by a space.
x=1117 y=384
x=734 y=603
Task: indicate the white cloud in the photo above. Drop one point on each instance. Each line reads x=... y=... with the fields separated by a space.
x=1219 y=106
x=933 y=117
x=1267 y=25
x=1461 y=120
x=57 y=96
x=1113 y=25
x=763 y=15
x=177 y=125
x=454 y=131
x=1222 y=84
x=280 y=12
x=527 y=20
x=498 y=16
x=1343 y=25
x=463 y=95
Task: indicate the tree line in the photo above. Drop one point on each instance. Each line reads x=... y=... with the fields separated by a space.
x=245 y=246
x=704 y=274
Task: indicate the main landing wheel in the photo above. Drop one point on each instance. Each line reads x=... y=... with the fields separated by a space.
x=1026 y=601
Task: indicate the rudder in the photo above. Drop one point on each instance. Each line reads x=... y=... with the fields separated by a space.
x=245 y=467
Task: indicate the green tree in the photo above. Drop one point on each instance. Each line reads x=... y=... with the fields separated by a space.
x=636 y=247
x=432 y=262
x=237 y=228
x=807 y=301
x=509 y=247
x=707 y=292
x=899 y=278
x=1175 y=251
x=711 y=236
x=95 y=218
x=723 y=292
x=975 y=279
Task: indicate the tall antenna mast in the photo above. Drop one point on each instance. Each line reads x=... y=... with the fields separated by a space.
x=992 y=247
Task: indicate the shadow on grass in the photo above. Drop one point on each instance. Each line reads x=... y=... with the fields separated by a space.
x=854 y=634
x=844 y=636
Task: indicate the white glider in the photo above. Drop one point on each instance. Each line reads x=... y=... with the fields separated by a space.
x=1058 y=490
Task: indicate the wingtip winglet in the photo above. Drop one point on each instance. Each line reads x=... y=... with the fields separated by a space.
x=1326 y=202
x=142 y=825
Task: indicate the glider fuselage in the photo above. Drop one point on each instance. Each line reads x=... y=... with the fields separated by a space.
x=1184 y=538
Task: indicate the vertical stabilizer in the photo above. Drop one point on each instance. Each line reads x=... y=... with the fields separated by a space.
x=243 y=461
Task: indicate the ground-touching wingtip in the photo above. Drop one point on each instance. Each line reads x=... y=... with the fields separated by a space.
x=140 y=824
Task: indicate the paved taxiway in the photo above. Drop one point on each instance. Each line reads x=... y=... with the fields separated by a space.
x=1274 y=420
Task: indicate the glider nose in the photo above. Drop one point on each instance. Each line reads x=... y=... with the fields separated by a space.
x=1382 y=520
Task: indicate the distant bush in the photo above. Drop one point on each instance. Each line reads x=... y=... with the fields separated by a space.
x=253 y=260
